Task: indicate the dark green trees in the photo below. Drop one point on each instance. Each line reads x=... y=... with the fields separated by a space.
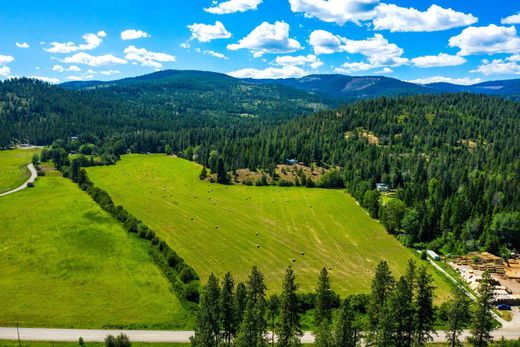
x=227 y=308
x=458 y=315
x=345 y=331
x=289 y=330
x=208 y=324
x=483 y=322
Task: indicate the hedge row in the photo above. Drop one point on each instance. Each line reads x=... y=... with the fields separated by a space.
x=183 y=277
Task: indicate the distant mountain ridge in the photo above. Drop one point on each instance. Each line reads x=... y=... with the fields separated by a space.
x=336 y=87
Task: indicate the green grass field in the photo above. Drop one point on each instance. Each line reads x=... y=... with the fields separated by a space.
x=217 y=228
x=66 y=263
x=13 y=168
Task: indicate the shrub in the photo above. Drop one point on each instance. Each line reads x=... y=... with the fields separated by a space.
x=30 y=185
x=187 y=275
x=191 y=292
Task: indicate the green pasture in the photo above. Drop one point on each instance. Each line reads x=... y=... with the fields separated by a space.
x=13 y=167
x=219 y=228
x=66 y=263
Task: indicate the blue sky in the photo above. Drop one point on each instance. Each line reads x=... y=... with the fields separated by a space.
x=461 y=41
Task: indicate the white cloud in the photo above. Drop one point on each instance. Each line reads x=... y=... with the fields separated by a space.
x=22 y=45
x=46 y=79
x=436 y=79
x=6 y=59
x=442 y=59
x=508 y=66
x=232 y=6
x=109 y=72
x=59 y=68
x=216 y=54
x=513 y=19
x=378 y=51
x=336 y=11
x=386 y=70
x=185 y=45
x=435 y=18
x=147 y=58
x=92 y=41
x=354 y=67
x=132 y=34
x=486 y=40
x=87 y=59
x=268 y=38
x=300 y=60
x=289 y=71
x=208 y=32
x=5 y=71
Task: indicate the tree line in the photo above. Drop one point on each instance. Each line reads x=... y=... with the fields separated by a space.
x=399 y=312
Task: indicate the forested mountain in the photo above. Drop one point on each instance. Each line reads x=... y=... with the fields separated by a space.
x=452 y=158
x=349 y=88
x=505 y=88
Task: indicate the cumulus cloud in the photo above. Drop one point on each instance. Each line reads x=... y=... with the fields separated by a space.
x=288 y=67
x=336 y=11
x=92 y=41
x=208 y=32
x=378 y=51
x=486 y=40
x=91 y=60
x=508 y=66
x=513 y=19
x=46 y=79
x=22 y=45
x=232 y=6
x=59 y=68
x=435 y=18
x=147 y=58
x=132 y=34
x=109 y=72
x=441 y=59
x=6 y=59
x=216 y=54
x=268 y=38
x=185 y=45
x=436 y=79
x=270 y=72
x=5 y=71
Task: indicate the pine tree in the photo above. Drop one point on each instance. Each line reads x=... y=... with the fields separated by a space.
x=323 y=335
x=483 y=323
x=273 y=306
x=289 y=331
x=253 y=327
x=424 y=305
x=240 y=303
x=227 y=308
x=203 y=173
x=345 y=329
x=324 y=299
x=458 y=316
x=222 y=177
x=403 y=312
x=207 y=324
x=378 y=308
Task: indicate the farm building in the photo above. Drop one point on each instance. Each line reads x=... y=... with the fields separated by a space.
x=382 y=187
x=292 y=161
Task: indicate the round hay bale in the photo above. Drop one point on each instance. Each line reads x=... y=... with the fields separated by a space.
x=257 y=245
x=294 y=260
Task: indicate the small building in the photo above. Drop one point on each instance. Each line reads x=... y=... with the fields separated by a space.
x=382 y=187
x=292 y=161
x=73 y=138
x=433 y=255
x=24 y=145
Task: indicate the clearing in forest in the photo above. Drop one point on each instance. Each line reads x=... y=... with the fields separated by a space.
x=218 y=228
x=13 y=167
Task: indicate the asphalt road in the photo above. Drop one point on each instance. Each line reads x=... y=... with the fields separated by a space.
x=31 y=179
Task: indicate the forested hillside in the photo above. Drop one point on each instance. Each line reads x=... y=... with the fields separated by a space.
x=452 y=159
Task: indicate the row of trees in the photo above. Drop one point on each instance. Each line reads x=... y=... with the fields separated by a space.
x=399 y=312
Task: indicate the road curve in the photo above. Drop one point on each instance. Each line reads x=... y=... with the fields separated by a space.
x=91 y=335
x=31 y=179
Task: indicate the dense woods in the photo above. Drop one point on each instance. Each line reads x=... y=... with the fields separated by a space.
x=452 y=160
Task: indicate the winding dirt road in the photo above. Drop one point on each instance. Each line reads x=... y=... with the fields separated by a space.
x=31 y=179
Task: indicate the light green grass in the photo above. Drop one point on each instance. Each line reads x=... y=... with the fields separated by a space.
x=214 y=227
x=66 y=263
x=13 y=167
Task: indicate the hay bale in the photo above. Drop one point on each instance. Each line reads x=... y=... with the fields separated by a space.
x=257 y=245
x=294 y=260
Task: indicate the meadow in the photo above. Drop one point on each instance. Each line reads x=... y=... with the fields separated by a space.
x=218 y=228
x=64 y=262
x=13 y=168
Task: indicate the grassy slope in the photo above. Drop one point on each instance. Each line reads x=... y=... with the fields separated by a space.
x=214 y=226
x=13 y=170
x=66 y=263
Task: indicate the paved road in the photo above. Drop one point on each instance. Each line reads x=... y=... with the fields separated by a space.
x=40 y=334
x=31 y=179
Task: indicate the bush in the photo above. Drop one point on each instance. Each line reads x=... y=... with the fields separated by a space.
x=191 y=292
x=187 y=275
x=30 y=185
x=424 y=255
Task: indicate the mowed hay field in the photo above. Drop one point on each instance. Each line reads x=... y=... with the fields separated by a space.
x=218 y=228
x=13 y=168
x=66 y=263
